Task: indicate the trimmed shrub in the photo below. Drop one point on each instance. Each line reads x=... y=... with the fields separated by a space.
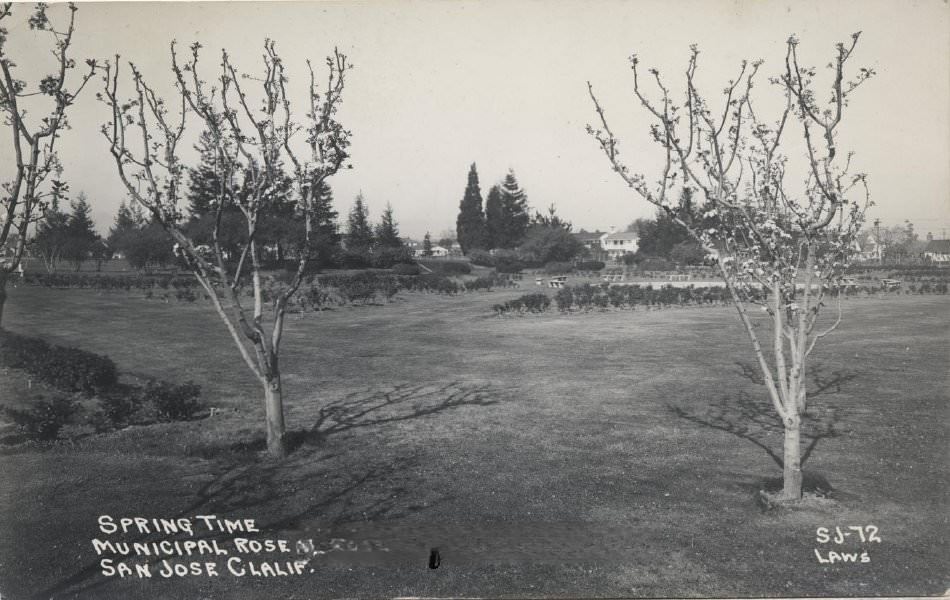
x=173 y=402
x=314 y=297
x=44 y=420
x=406 y=269
x=564 y=299
x=590 y=265
x=386 y=257
x=484 y=283
x=119 y=406
x=65 y=368
x=448 y=267
x=533 y=303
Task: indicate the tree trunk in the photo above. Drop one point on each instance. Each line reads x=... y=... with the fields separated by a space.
x=792 y=460
x=3 y=294
x=274 y=413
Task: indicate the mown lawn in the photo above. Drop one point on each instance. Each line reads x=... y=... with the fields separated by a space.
x=610 y=454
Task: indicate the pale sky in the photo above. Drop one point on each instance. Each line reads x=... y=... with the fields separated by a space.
x=502 y=83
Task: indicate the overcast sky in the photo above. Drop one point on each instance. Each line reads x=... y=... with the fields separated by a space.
x=439 y=85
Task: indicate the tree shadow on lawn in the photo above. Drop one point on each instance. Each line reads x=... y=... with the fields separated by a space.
x=253 y=482
x=293 y=493
x=752 y=418
x=374 y=407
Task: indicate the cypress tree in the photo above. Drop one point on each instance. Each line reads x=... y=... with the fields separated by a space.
x=494 y=218
x=470 y=225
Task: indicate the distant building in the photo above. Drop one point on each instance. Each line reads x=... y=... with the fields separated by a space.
x=620 y=243
x=938 y=251
x=592 y=240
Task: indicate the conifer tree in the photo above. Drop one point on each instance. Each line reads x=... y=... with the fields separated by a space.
x=470 y=224
x=325 y=238
x=387 y=232
x=205 y=180
x=123 y=223
x=514 y=208
x=359 y=234
x=80 y=232
x=494 y=218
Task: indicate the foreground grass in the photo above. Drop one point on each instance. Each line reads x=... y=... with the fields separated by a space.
x=599 y=454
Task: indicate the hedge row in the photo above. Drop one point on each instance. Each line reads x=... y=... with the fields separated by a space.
x=73 y=371
x=63 y=367
x=110 y=282
x=586 y=296
x=898 y=271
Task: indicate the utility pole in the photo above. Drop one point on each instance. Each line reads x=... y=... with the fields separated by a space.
x=877 y=238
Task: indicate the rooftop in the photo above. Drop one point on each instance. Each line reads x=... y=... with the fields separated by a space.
x=938 y=246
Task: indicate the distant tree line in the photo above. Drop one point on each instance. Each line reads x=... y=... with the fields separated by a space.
x=144 y=243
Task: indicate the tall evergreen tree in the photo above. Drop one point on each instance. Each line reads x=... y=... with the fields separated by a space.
x=123 y=222
x=359 y=233
x=80 y=232
x=494 y=218
x=387 y=232
x=514 y=205
x=325 y=239
x=204 y=181
x=470 y=224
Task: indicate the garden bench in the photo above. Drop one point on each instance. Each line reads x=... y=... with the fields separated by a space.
x=890 y=284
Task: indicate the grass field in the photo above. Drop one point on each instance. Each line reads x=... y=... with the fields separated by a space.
x=609 y=454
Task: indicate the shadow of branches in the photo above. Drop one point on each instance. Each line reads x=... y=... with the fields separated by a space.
x=374 y=407
x=752 y=418
x=304 y=489
x=285 y=496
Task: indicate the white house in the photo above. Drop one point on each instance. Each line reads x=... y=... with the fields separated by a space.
x=619 y=243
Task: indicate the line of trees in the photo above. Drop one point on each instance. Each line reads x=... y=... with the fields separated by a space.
x=504 y=224
x=69 y=236
x=503 y=220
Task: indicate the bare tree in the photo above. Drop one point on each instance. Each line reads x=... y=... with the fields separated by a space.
x=782 y=242
x=24 y=192
x=251 y=144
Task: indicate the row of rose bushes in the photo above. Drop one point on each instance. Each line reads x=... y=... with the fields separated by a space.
x=903 y=272
x=318 y=291
x=586 y=297
x=365 y=287
x=72 y=374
